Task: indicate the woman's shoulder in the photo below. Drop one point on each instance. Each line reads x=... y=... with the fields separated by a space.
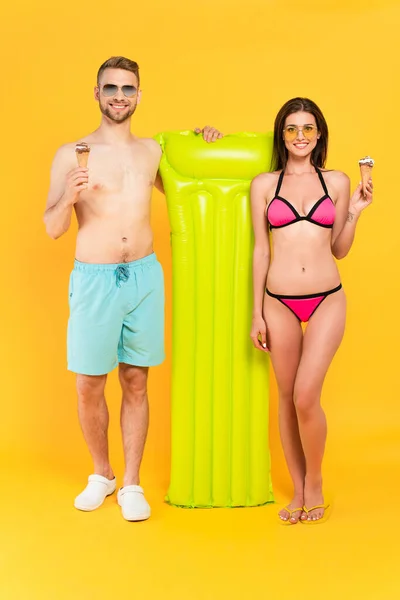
x=335 y=177
x=266 y=179
x=265 y=184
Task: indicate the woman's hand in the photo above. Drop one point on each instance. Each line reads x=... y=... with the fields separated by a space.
x=358 y=201
x=259 y=334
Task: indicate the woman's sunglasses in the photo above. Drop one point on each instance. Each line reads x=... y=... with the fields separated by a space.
x=292 y=131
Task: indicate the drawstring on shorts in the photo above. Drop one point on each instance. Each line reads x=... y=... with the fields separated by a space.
x=121 y=274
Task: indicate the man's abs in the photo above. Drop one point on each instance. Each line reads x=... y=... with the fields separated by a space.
x=102 y=242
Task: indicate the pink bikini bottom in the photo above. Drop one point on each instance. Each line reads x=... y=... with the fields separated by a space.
x=303 y=306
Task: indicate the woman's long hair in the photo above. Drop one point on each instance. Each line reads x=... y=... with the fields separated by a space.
x=280 y=153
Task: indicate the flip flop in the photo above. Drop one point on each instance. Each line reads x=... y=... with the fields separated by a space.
x=323 y=519
x=290 y=511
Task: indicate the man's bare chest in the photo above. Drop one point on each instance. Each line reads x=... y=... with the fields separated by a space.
x=117 y=175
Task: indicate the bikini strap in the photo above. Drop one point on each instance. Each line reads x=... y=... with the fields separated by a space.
x=278 y=187
x=322 y=180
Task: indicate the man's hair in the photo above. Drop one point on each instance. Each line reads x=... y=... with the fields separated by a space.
x=119 y=62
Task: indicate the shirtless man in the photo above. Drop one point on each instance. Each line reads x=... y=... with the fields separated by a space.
x=116 y=291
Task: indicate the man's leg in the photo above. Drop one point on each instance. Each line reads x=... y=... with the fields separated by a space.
x=94 y=328
x=134 y=425
x=94 y=419
x=141 y=345
x=134 y=418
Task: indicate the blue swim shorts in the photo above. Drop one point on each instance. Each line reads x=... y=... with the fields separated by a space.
x=116 y=315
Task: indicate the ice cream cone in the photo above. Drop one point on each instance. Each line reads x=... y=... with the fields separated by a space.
x=82 y=158
x=82 y=151
x=366 y=165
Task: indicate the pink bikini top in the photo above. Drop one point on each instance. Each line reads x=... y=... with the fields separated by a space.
x=281 y=213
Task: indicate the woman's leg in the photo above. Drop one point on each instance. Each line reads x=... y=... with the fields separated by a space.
x=321 y=340
x=285 y=340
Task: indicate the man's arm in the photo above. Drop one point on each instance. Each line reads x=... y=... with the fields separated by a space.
x=65 y=187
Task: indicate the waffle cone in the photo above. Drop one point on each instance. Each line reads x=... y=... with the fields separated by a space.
x=366 y=173
x=82 y=158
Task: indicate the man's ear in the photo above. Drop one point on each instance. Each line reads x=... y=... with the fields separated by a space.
x=96 y=93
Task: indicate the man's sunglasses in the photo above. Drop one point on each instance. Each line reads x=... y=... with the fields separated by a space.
x=110 y=89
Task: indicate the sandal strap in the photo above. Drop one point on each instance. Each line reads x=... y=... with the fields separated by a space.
x=293 y=510
x=129 y=489
x=307 y=510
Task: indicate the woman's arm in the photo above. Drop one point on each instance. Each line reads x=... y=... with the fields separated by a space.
x=261 y=257
x=348 y=211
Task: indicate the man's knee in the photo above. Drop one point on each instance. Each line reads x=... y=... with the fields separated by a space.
x=89 y=386
x=134 y=381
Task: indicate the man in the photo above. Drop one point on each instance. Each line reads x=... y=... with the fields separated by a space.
x=116 y=291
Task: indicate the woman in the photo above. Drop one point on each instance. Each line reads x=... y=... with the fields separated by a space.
x=312 y=219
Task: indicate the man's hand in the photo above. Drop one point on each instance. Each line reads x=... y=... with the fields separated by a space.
x=210 y=134
x=77 y=181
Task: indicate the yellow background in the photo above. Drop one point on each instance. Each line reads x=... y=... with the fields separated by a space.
x=231 y=64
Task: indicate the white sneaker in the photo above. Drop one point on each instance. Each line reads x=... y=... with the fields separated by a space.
x=133 y=503
x=94 y=494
